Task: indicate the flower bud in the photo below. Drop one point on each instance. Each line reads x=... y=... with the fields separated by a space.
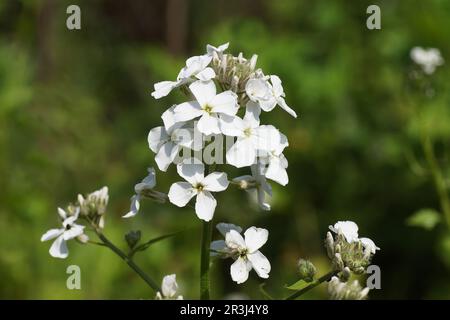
x=338 y=263
x=345 y=274
x=132 y=238
x=329 y=245
x=306 y=270
x=83 y=238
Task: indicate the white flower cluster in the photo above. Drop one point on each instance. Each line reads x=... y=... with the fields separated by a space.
x=349 y=230
x=92 y=208
x=228 y=96
x=427 y=59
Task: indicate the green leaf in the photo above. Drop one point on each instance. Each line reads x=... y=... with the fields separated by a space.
x=425 y=218
x=300 y=284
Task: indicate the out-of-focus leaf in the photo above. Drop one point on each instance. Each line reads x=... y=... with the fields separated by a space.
x=425 y=218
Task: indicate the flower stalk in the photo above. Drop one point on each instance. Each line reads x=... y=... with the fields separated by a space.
x=204 y=260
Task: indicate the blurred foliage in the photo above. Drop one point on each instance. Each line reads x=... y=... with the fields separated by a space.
x=75 y=111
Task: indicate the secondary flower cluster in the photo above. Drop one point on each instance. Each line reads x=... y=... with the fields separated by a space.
x=347 y=250
x=348 y=254
x=92 y=209
x=227 y=96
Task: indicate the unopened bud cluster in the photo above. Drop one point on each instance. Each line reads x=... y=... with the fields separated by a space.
x=93 y=207
x=340 y=290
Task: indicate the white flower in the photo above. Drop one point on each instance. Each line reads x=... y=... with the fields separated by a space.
x=196 y=68
x=257 y=181
x=197 y=185
x=268 y=95
x=246 y=253
x=276 y=162
x=348 y=229
x=208 y=107
x=169 y=288
x=147 y=183
x=369 y=245
x=69 y=231
x=210 y=50
x=251 y=137
x=427 y=59
x=168 y=143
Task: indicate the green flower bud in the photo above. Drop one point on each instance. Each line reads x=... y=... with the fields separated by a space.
x=306 y=270
x=132 y=238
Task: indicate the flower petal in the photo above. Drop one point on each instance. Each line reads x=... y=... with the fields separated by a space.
x=242 y=153
x=267 y=138
x=180 y=193
x=282 y=103
x=217 y=247
x=203 y=91
x=59 y=248
x=252 y=112
x=191 y=171
x=187 y=111
x=166 y=155
x=255 y=238
x=206 y=74
x=224 y=228
x=260 y=264
x=52 y=234
x=75 y=231
x=239 y=270
x=205 y=205
x=163 y=88
x=134 y=207
x=234 y=240
x=225 y=102
x=208 y=124
x=156 y=138
x=277 y=172
x=215 y=181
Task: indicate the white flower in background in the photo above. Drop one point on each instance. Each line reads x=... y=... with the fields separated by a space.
x=256 y=182
x=208 y=106
x=169 y=289
x=196 y=68
x=147 y=183
x=251 y=137
x=210 y=50
x=348 y=229
x=168 y=143
x=198 y=185
x=268 y=95
x=427 y=59
x=369 y=245
x=69 y=231
x=245 y=251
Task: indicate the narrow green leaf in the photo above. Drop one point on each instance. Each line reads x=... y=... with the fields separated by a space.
x=425 y=218
x=300 y=284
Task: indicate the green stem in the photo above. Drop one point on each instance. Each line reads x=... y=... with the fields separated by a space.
x=438 y=178
x=204 y=259
x=313 y=284
x=128 y=260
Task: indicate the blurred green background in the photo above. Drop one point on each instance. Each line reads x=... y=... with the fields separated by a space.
x=75 y=111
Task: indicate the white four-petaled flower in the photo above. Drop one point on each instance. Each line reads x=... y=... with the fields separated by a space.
x=245 y=251
x=198 y=185
x=69 y=231
x=208 y=106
